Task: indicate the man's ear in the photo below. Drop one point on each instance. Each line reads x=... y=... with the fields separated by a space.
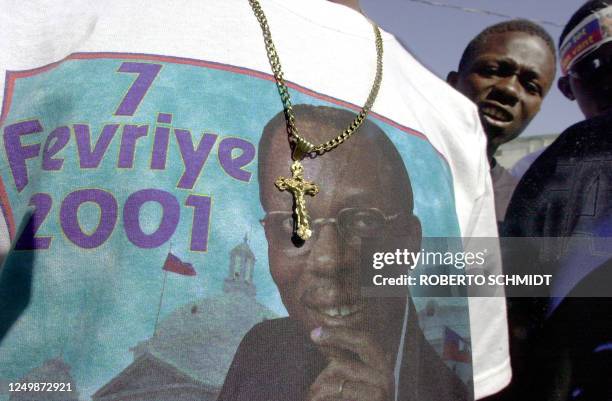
x=564 y=86
x=452 y=78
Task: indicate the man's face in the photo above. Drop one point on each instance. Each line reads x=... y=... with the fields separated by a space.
x=507 y=79
x=361 y=204
x=590 y=82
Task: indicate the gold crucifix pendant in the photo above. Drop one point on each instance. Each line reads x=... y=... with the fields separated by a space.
x=299 y=187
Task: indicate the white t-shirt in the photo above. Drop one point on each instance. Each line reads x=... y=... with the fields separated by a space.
x=80 y=75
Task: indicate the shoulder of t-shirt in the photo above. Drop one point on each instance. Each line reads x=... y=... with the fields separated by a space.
x=447 y=118
x=446 y=105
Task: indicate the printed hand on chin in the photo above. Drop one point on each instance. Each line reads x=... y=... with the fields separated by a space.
x=358 y=369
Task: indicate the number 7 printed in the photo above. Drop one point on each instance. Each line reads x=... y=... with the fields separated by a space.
x=132 y=99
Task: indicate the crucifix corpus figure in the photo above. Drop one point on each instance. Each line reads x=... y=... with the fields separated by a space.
x=299 y=187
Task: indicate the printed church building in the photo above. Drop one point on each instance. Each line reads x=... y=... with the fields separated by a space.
x=189 y=355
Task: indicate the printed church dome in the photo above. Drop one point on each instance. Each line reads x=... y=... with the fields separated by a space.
x=200 y=338
x=193 y=346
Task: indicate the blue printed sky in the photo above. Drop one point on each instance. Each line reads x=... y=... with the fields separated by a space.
x=437 y=37
x=98 y=268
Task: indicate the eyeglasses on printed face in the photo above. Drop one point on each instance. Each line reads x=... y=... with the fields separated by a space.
x=353 y=225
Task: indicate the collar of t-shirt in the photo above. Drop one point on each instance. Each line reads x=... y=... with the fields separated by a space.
x=330 y=15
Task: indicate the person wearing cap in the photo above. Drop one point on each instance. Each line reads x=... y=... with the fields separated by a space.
x=561 y=341
x=586 y=55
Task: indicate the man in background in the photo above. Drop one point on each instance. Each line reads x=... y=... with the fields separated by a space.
x=562 y=338
x=507 y=70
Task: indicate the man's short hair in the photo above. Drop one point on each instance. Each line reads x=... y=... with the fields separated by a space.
x=336 y=120
x=587 y=9
x=515 y=25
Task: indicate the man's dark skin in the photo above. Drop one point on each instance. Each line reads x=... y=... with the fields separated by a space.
x=507 y=79
x=321 y=278
x=338 y=344
x=593 y=95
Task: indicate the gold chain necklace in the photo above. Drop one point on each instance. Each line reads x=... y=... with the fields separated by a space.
x=301 y=148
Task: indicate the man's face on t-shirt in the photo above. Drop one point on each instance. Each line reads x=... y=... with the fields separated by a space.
x=364 y=206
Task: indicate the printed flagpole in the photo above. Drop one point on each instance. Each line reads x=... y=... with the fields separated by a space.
x=175 y=265
x=161 y=297
x=161 y=300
